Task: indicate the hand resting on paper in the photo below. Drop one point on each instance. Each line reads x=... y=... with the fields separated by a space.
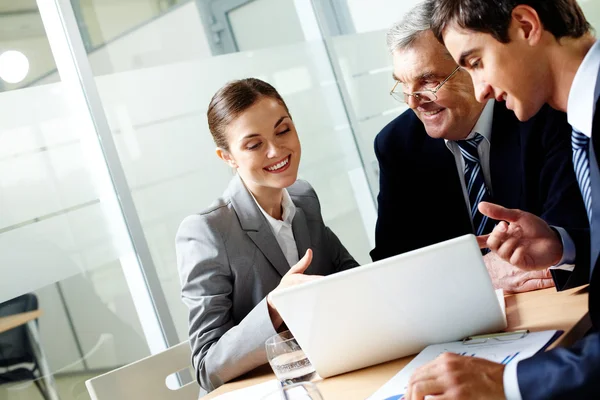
x=455 y=377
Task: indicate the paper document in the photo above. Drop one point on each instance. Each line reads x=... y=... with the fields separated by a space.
x=500 y=295
x=501 y=348
x=252 y=392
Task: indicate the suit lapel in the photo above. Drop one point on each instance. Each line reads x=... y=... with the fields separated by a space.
x=266 y=242
x=505 y=157
x=255 y=225
x=301 y=233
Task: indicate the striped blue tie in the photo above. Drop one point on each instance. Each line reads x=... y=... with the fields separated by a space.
x=475 y=184
x=581 y=164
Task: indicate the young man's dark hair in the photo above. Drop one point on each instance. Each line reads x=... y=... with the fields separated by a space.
x=563 y=18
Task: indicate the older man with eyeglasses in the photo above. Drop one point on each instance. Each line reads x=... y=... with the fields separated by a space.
x=448 y=152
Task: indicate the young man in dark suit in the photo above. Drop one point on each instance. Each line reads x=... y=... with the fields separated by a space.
x=448 y=153
x=527 y=53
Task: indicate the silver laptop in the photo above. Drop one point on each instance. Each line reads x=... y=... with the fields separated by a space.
x=392 y=308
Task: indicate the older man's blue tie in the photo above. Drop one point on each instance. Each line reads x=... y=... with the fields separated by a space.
x=475 y=183
x=581 y=164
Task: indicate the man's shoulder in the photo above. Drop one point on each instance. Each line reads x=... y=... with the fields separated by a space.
x=551 y=118
x=402 y=130
x=547 y=119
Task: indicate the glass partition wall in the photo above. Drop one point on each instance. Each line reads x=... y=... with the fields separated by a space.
x=105 y=148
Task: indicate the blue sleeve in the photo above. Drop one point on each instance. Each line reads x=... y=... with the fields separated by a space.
x=567 y=262
x=563 y=373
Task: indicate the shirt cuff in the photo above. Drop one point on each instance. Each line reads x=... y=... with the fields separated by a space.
x=567 y=262
x=511 y=382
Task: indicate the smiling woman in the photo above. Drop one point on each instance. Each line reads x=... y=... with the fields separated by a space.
x=255 y=135
x=232 y=255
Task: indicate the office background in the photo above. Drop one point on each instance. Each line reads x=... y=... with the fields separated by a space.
x=102 y=157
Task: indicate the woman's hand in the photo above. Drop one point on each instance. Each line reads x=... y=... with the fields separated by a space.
x=293 y=277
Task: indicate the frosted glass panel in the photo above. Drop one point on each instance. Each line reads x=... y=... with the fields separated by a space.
x=591 y=8
x=250 y=34
x=55 y=192
x=366 y=69
x=62 y=235
x=375 y=15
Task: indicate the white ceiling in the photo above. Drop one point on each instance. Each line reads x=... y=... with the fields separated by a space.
x=20 y=26
x=19 y=19
x=17 y=5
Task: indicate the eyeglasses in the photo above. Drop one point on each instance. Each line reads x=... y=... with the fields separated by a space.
x=422 y=96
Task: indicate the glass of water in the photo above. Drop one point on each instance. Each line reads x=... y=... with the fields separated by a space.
x=287 y=359
x=296 y=391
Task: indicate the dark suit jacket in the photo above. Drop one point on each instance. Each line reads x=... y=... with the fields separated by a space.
x=573 y=373
x=421 y=200
x=229 y=260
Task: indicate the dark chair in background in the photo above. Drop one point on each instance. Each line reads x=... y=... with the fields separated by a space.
x=17 y=356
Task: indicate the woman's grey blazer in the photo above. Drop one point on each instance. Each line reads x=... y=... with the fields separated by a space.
x=229 y=260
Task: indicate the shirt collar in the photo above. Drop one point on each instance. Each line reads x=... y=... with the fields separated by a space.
x=289 y=211
x=483 y=125
x=289 y=208
x=584 y=92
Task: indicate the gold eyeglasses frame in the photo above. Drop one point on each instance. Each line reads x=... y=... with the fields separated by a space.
x=422 y=96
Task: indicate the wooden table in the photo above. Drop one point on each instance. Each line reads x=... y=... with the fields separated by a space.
x=13 y=321
x=536 y=311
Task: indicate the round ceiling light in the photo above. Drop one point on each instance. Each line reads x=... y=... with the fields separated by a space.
x=14 y=66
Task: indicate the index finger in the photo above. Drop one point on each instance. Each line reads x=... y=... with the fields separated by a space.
x=499 y=213
x=424 y=389
x=427 y=372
